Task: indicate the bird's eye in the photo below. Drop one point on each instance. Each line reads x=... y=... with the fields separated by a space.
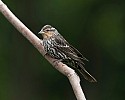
x=47 y=30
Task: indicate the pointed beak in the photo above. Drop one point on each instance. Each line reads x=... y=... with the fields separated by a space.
x=41 y=32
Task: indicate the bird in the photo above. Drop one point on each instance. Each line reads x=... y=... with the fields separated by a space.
x=58 y=48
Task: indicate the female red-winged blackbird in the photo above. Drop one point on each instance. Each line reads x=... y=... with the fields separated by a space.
x=57 y=47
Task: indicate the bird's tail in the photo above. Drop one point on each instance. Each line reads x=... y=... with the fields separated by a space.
x=85 y=74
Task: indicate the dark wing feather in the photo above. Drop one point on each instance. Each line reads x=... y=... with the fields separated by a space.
x=68 y=49
x=73 y=53
x=78 y=53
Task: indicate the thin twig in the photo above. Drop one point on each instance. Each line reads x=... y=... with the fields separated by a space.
x=36 y=42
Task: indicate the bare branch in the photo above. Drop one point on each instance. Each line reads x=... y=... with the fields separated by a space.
x=36 y=42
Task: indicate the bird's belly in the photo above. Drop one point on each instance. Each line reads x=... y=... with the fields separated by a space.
x=53 y=51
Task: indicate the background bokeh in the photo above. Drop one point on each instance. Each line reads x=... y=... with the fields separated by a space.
x=95 y=27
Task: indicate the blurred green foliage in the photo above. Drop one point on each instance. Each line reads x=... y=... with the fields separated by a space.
x=98 y=26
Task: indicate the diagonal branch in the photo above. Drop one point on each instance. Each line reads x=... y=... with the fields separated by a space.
x=36 y=42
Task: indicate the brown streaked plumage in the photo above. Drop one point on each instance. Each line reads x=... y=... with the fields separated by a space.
x=57 y=47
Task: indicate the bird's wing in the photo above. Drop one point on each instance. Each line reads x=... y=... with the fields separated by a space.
x=78 y=53
x=68 y=49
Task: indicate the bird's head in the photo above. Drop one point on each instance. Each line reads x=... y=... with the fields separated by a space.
x=48 y=31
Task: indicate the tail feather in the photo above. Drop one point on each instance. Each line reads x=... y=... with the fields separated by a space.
x=85 y=74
